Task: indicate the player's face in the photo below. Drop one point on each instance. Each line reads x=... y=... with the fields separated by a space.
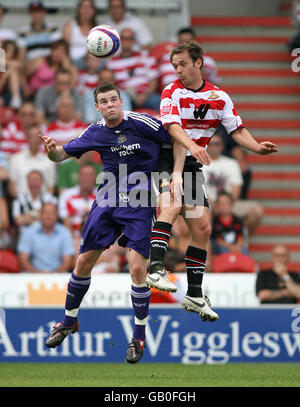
x=187 y=71
x=110 y=106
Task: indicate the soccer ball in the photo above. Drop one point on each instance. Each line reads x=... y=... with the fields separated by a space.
x=103 y=41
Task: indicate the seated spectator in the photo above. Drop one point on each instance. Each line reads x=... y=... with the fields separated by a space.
x=74 y=203
x=35 y=38
x=75 y=31
x=90 y=114
x=14 y=138
x=41 y=71
x=119 y=18
x=227 y=229
x=224 y=174
x=6 y=33
x=26 y=207
x=27 y=160
x=136 y=72
x=46 y=246
x=12 y=80
x=167 y=73
x=278 y=285
x=67 y=173
x=66 y=127
x=46 y=98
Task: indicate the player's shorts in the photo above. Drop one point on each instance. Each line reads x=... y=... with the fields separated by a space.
x=104 y=225
x=193 y=178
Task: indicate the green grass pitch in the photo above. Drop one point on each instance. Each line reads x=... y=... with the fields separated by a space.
x=148 y=375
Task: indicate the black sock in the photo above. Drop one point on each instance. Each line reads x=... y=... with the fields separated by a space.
x=160 y=236
x=195 y=259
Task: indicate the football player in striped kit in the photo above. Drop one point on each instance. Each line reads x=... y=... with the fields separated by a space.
x=191 y=106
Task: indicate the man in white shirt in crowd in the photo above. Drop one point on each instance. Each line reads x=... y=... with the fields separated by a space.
x=27 y=160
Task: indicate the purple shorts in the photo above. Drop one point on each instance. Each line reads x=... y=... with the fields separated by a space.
x=105 y=224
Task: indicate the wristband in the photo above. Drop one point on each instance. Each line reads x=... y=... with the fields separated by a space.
x=286 y=277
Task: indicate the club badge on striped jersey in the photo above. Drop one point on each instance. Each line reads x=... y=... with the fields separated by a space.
x=213 y=95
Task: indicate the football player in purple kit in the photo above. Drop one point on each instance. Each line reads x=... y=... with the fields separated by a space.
x=130 y=141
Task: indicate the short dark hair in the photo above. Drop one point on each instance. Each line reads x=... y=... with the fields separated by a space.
x=224 y=193
x=194 y=50
x=104 y=88
x=186 y=30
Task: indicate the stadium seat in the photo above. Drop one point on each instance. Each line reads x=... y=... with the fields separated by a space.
x=233 y=263
x=9 y=262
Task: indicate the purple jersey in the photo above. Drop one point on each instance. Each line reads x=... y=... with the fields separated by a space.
x=134 y=145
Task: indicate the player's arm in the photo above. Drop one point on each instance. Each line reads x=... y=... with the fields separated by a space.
x=55 y=153
x=178 y=134
x=245 y=140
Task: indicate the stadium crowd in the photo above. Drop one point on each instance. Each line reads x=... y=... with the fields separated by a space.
x=47 y=89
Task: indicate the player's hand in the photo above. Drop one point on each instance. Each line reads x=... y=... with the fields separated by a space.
x=176 y=187
x=266 y=147
x=49 y=143
x=200 y=154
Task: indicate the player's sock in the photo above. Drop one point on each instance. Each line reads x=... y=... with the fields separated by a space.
x=77 y=288
x=140 y=297
x=160 y=237
x=195 y=259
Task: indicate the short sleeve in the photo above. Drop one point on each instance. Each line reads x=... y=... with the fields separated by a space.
x=169 y=112
x=80 y=145
x=230 y=118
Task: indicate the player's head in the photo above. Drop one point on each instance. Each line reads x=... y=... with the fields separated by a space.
x=109 y=103
x=187 y=60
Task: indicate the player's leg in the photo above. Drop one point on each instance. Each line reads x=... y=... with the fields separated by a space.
x=198 y=222
x=160 y=236
x=78 y=286
x=140 y=297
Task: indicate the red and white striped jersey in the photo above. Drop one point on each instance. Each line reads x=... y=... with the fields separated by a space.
x=134 y=72
x=87 y=82
x=72 y=205
x=62 y=133
x=199 y=112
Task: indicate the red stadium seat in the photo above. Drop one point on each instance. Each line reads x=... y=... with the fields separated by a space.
x=233 y=263
x=9 y=262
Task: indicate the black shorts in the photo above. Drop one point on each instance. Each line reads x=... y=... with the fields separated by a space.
x=193 y=178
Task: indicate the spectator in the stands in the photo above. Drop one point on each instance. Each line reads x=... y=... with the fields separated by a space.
x=90 y=114
x=35 y=38
x=278 y=285
x=46 y=98
x=136 y=72
x=88 y=77
x=67 y=172
x=27 y=160
x=6 y=33
x=227 y=229
x=75 y=31
x=224 y=174
x=26 y=206
x=66 y=127
x=41 y=71
x=13 y=135
x=46 y=246
x=12 y=80
x=120 y=18
x=74 y=203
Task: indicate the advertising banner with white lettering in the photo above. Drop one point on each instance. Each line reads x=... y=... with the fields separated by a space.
x=173 y=336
